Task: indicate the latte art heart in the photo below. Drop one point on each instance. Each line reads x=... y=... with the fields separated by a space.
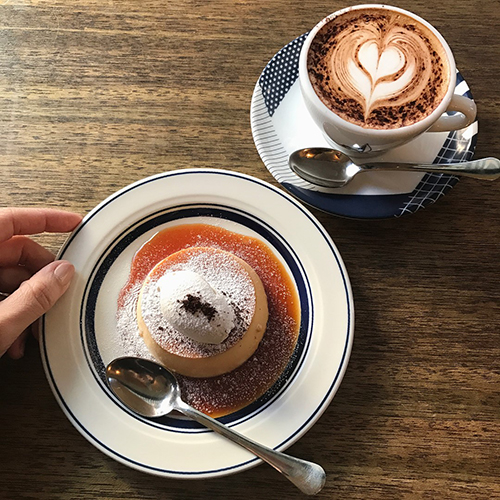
x=378 y=70
x=378 y=63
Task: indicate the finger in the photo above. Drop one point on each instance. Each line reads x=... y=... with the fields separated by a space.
x=12 y=277
x=32 y=299
x=16 y=350
x=35 y=220
x=22 y=251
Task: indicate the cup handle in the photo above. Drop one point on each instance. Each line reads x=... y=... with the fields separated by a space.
x=466 y=113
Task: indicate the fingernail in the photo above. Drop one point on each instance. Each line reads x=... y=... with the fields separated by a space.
x=64 y=272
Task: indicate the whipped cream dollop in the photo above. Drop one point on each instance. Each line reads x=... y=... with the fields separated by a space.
x=194 y=308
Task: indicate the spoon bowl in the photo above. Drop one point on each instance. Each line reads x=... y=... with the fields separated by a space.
x=332 y=169
x=143 y=386
x=150 y=390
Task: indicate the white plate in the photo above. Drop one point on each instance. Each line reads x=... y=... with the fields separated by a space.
x=77 y=334
x=281 y=125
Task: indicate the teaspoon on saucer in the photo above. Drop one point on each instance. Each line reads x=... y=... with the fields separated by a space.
x=331 y=168
x=150 y=390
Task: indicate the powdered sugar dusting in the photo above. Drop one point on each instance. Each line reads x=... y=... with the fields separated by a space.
x=130 y=340
x=224 y=273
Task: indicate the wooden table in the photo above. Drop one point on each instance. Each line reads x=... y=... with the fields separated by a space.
x=96 y=95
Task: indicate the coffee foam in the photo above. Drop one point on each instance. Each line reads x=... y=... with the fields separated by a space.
x=378 y=68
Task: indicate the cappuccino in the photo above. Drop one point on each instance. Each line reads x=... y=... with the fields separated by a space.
x=378 y=68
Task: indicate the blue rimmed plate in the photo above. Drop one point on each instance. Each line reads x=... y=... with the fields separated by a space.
x=281 y=124
x=79 y=336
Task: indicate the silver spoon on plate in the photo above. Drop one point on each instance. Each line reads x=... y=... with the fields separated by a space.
x=150 y=390
x=333 y=169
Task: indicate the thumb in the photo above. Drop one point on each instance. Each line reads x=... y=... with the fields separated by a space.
x=32 y=299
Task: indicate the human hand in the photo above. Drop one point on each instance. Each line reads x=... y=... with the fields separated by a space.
x=28 y=273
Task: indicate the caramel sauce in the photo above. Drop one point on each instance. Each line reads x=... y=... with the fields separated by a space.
x=227 y=393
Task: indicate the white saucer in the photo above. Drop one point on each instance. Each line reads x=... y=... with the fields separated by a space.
x=79 y=336
x=280 y=125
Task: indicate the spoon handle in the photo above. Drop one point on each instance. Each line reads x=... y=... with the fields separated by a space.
x=307 y=476
x=485 y=168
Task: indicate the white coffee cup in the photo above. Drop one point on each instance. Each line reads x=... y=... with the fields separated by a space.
x=355 y=140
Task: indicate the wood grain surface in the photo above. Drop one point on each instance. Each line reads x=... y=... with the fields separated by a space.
x=95 y=95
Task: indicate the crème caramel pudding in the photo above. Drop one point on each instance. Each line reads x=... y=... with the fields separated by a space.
x=202 y=312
